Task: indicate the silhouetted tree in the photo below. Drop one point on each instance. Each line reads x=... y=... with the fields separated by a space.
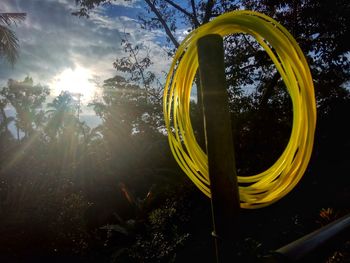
x=27 y=100
x=62 y=115
x=4 y=120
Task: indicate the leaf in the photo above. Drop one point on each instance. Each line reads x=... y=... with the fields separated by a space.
x=12 y=18
x=8 y=44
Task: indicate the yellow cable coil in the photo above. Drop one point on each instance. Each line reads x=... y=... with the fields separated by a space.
x=269 y=186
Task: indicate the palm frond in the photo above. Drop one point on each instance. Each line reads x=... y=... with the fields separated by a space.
x=8 y=44
x=12 y=18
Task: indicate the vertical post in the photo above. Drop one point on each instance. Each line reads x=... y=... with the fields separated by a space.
x=219 y=143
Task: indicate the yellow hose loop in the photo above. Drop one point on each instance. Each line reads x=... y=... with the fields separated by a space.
x=269 y=186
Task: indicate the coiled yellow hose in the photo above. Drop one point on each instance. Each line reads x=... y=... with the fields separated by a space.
x=269 y=186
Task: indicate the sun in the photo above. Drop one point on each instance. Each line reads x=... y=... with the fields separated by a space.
x=77 y=81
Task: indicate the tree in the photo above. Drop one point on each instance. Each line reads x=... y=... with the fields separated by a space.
x=6 y=137
x=120 y=106
x=62 y=115
x=320 y=29
x=4 y=120
x=8 y=41
x=136 y=67
x=27 y=99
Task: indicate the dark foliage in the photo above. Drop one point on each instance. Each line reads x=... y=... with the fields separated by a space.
x=9 y=43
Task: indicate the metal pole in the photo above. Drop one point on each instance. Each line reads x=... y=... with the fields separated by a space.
x=304 y=246
x=219 y=143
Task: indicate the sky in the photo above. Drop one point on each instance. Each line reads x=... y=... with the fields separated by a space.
x=66 y=52
x=56 y=44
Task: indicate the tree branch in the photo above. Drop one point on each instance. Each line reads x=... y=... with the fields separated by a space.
x=208 y=11
x=191 y=16
x=8 y=44
x=249 y=44
x=269 y=90
x=164 y=24
x=195 y=19
x=179 y=8
x=9 y=18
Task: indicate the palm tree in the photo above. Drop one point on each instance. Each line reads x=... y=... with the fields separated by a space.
x=8 y=41
x=61 y=113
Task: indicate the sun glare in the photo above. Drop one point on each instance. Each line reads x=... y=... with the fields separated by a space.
x=76 y=81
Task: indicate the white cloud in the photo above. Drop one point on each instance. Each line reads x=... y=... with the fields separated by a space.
x=52 y=40
x=130 y=3
x=181 y=34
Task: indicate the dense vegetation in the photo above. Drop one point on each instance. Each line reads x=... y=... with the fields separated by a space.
x=114 y=193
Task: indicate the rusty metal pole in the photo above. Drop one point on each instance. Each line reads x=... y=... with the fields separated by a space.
x=219 y=143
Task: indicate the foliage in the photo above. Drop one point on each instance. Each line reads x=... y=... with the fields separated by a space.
x=8 y=41
x=154 y=234
x=62 y=119
x=136 y=65
x=162 y=238
x=27 y=100
x=74 y=238
x=341 y=255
